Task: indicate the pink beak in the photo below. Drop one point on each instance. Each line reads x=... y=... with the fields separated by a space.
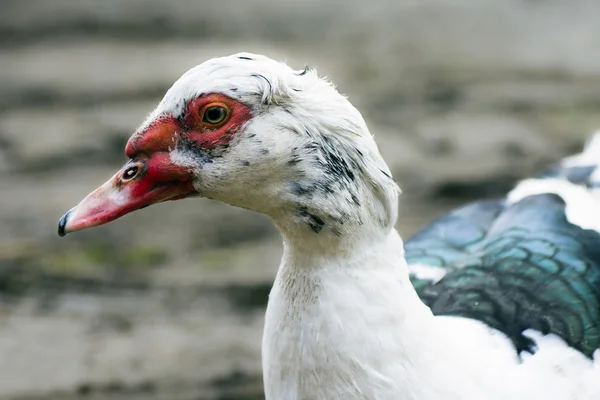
x=138 y=184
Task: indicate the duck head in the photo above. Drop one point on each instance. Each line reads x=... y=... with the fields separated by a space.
x=254 y=133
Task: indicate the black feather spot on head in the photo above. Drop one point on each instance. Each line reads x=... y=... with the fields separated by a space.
x=304 y=71
x=264 y=151
x=301 y=190
x=245 y=58
x=313 y=221
x=335 y=164
x=295 y=159
x=325 y=187
x=311 y=148
x=200 y=153
x=385 y=173
x=265 y=102
x=336 y=231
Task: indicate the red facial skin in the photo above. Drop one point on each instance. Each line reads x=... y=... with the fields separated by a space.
x=160 y=134
x=157 y=178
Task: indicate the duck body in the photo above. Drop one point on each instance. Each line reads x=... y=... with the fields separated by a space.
x=328 y=344
x=497 y=300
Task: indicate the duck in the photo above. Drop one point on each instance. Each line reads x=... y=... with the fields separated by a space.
x=498 y=299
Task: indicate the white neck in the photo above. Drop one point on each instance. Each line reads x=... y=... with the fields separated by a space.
x=352 y=326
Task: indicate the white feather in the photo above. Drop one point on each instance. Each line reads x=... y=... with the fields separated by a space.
x=590 y=154
x=582 y=205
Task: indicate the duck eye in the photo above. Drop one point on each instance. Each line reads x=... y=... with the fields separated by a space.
x=214 y=115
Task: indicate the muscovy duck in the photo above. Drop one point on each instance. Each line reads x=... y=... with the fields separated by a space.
x=497 y=300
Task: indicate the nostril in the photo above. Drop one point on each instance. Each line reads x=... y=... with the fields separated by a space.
x=130 y=173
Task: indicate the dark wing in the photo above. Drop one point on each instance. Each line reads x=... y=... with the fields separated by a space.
x=445 y=242
x=532 y=270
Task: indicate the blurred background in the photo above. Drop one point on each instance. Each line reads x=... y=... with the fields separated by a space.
x=464 y=98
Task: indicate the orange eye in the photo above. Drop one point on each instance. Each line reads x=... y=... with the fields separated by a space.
x=215 y=115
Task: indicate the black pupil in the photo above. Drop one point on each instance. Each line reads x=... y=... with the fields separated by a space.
x=130 y=172
x=214 y=115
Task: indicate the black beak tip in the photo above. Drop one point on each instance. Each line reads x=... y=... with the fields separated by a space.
x=62 y=223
